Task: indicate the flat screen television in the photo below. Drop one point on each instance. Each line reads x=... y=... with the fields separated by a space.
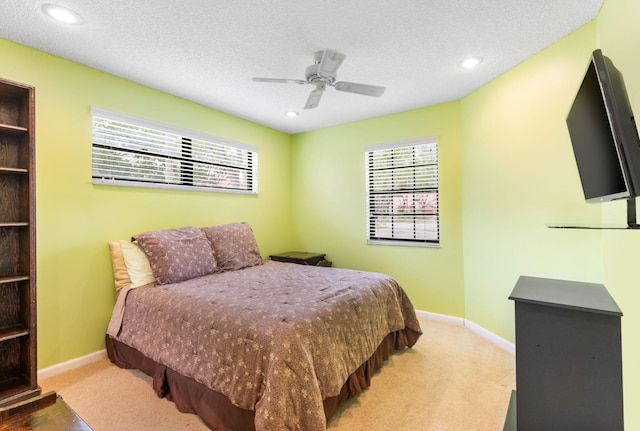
x=604 y=135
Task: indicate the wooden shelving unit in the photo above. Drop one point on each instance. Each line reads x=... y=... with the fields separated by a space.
x=18 y=359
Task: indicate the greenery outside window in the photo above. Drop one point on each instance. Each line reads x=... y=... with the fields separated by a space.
x=402 y=193
x=129 y=151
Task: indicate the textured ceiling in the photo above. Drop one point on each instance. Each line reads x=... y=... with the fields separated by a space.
x=207 y=51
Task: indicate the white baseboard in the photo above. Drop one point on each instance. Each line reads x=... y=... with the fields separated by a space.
x=60 y=368
x=495 y=339
x=484 y=333
x=441 y=317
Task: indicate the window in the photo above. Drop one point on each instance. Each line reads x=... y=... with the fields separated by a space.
x=129 y=151
x=402 y=193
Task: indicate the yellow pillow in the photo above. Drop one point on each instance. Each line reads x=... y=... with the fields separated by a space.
x=137 y=264
x=119 y=268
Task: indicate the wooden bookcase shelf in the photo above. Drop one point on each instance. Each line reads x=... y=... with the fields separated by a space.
x=12 y=171
x=13 y=332
x=13 y=279
x=14 y=224
x=8 y=387
x=18 y=359
x=13 y=130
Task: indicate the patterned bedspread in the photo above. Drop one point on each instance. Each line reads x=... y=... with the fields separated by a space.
x=276 y=338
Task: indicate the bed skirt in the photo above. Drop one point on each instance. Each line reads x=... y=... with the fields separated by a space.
x=216 y=410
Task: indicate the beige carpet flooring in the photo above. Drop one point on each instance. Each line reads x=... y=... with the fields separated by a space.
x=451 y=380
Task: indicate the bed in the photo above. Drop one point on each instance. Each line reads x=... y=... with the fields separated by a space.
x=249 y=344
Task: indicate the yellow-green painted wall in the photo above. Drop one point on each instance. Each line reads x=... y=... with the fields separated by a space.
x=519 y=176
x=506 y=172
x=329 y=211
x=76 y=219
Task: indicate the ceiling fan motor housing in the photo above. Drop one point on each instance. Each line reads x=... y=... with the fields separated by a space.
x=314 y=78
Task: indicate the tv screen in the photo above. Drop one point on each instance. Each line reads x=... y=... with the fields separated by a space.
x=604 y=135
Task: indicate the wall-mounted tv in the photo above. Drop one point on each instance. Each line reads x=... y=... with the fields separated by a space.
x=604 y=135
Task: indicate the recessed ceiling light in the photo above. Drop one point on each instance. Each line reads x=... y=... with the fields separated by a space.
x=471 y=62
x=61 y=14
x=291 y=114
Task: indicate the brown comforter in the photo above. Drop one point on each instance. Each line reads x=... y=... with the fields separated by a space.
x=276 y=339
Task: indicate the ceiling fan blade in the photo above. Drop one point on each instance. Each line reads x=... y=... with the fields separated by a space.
x=330 y=62
x=364 y=89
x=314 y=98
x=282 y=81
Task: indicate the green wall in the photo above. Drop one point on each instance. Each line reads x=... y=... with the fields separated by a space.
x=76 y=219
x=329 y=211
x=519 y=176
x=506 y=172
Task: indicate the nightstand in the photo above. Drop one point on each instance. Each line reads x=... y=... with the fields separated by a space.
x=301 y=258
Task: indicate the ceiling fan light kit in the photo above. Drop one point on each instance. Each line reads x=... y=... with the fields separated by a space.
x=322 y=74
x=328 y=61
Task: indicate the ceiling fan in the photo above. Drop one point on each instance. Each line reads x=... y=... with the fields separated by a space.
x=323 y=73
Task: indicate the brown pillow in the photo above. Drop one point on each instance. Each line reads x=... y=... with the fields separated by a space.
x=177 y=254
x=234 y=246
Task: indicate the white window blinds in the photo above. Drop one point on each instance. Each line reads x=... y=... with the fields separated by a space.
x=130 y=151
x=402 y=193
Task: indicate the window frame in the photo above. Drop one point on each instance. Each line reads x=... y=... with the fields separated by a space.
x=185 y=146
x=372 y=215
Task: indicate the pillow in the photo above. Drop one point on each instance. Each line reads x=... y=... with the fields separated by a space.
x=177 y=254
x=137 y=264
x=234 y=246
x=120 y=274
